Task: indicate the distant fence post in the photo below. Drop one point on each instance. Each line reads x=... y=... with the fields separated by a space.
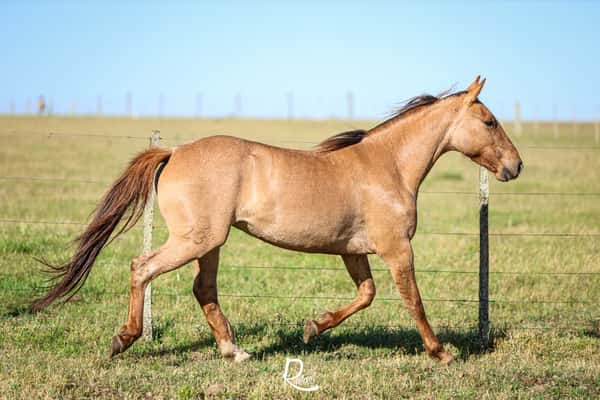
x=574 y=129
x=99 y=106
x=129 y=104
x=484 y=195
x=147 y=247
x=198 y=105
x=290 y=105
x=555 y=121
x=517 y=125
x=237 y=105
x=597 y=130
x=350 y=104
x=161 y=105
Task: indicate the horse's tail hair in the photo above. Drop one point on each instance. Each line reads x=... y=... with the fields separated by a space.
x=127 y=195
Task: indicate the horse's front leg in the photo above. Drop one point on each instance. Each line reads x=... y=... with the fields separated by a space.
x=400 y=261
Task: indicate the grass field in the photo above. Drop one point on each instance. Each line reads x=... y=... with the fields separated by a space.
x=545 y=327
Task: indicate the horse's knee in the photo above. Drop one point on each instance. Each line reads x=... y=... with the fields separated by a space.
x=366 y=292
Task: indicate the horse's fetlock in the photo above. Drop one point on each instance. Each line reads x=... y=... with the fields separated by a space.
x=227 y=348
x=326 y=316
x=208 y=306
x=435 y=349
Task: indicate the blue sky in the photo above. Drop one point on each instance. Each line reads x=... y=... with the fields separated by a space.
x=543 y=54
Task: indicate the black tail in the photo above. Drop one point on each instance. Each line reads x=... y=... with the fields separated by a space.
x=129 y=192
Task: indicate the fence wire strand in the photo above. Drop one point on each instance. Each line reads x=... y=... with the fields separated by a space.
x=433 y=192
x=433 y=233
x=106 y=136
x=166 y=293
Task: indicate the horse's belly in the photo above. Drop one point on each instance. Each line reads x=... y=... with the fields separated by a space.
x=318 y=237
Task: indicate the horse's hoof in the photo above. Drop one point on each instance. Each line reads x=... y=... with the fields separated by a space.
x=310 y=331
x=444 y=357
x=116 y=346
x=240 y=355
x=234 y=353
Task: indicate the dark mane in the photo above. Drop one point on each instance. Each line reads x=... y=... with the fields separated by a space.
x=420 y=101
x=412 y=103
x=341 y=140
x=349 y=138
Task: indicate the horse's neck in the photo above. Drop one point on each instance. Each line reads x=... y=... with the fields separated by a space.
x=415 y=142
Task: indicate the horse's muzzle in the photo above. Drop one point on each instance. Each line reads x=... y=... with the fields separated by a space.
x=511 y=173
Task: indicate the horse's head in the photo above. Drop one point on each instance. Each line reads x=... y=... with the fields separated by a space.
x=477 y=134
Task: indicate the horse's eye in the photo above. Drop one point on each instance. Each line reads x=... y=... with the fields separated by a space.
x=490 y=123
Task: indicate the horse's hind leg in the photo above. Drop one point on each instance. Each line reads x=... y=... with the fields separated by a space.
x=360 y=271
x=205 y=290
x=175 y=253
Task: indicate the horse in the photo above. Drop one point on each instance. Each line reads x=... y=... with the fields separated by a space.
x=354 y=194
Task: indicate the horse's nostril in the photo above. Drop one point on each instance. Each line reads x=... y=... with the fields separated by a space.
x=520 y=167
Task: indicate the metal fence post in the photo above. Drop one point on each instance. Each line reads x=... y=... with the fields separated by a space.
x=147 y=247
x=484 y=194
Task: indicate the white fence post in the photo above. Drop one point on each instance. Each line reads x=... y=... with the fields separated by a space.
x=147 y=247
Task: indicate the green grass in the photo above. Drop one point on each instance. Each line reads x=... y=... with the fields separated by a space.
x=540 y=350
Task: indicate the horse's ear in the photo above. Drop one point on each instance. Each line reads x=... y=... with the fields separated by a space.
x=474 y=89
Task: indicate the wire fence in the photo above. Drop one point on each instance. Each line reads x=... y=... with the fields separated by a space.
x=523 y=302
x=564 y=326
x=439 y=192
x=432 y=233
x=108 y=136
x=336 y=298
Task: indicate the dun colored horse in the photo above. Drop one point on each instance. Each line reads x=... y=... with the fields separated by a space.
x=355 y=194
